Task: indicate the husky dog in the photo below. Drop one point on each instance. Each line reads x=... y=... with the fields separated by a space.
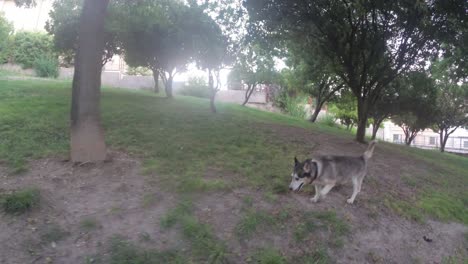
x=325 y=172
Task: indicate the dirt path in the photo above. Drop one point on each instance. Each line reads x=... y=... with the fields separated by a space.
x=89 y=204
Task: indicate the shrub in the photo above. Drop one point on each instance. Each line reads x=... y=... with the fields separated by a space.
x=21 y=201
x=27 y=47
x=196 y=87
x=294 y=106
x=47 y=67
x=328 y=120
x=6 y=29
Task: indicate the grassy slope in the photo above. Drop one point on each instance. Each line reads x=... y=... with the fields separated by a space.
x=180 y=138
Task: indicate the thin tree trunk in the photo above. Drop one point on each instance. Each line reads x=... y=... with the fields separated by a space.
x=441 y=137
x=168 y=87
x=156 y=80
x=410 y=139
x=444 y=137
x=362 y=120
x=376 y=126
x=318 y=107
x=212 y=91
x=374 y=132
x=248 y=93
x=87 y=135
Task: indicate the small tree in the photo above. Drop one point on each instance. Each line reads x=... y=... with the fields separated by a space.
x=369 y=43
x=63 y=25
x=6 y=29
x=157 y=35
x=344 y=109
x=451 y=104
x=386 y=105
x=254 y=66
x=416 y=105
x=312 y=75
x=210 y=45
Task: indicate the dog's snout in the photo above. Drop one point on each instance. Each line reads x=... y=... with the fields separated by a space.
x=290 y=188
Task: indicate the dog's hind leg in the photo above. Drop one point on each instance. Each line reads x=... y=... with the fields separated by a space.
x=317 y=194
x=326 y=189
x=356 y=190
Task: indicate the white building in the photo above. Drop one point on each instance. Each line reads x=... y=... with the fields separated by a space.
x=427 y=139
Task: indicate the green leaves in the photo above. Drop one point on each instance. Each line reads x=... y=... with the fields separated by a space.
x=27 y=47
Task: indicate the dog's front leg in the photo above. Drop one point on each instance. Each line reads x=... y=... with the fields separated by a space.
x=356 y=189
x=317 y=194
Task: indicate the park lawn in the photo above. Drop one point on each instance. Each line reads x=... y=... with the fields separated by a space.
x=182 y=144
x=175 y=138
x=181 y=137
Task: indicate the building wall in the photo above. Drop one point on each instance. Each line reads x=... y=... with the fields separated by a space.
x=238 y=96
x=428 y=139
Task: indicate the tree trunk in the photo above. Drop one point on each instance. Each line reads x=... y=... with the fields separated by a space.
x=362 y=119
x=375 y=127
x=248 y=93
x=156 y=80
x=374 y=132
x=410 y=139
x=212 y=92
x=87 y=135
x=443 y=139
x=318 y=107
x=168 y=87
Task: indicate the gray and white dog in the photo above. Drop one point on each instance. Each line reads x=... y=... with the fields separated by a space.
x=324 y=172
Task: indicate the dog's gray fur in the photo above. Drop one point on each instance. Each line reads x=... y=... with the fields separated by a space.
x=324 y=172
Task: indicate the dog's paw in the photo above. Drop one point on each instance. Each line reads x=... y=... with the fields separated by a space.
x=350 y=201
x=314 y=199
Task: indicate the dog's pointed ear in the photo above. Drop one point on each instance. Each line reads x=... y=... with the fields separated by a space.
x=295 y=161
x=307 y=167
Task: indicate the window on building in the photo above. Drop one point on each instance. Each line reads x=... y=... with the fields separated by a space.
x=396 y=138
x=432 y=140
x=465 y=144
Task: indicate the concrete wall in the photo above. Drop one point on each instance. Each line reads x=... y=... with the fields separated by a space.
x=108 y=78
x=237 y=96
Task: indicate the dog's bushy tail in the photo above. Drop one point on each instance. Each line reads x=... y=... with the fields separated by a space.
x=370 y=150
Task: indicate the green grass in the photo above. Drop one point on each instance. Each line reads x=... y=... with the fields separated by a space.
x=268 y=256
x=406 y=209
x=89 y=224
x=180 y=140
x=205 y=247
x=20 y=201
x=165 y=133
x=440 y=192
x=252 y=221
x=318 y=256
x=444 y=206
x=329 y=121
x=312 y=222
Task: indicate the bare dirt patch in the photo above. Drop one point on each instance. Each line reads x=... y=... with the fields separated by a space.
x=89 y=203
